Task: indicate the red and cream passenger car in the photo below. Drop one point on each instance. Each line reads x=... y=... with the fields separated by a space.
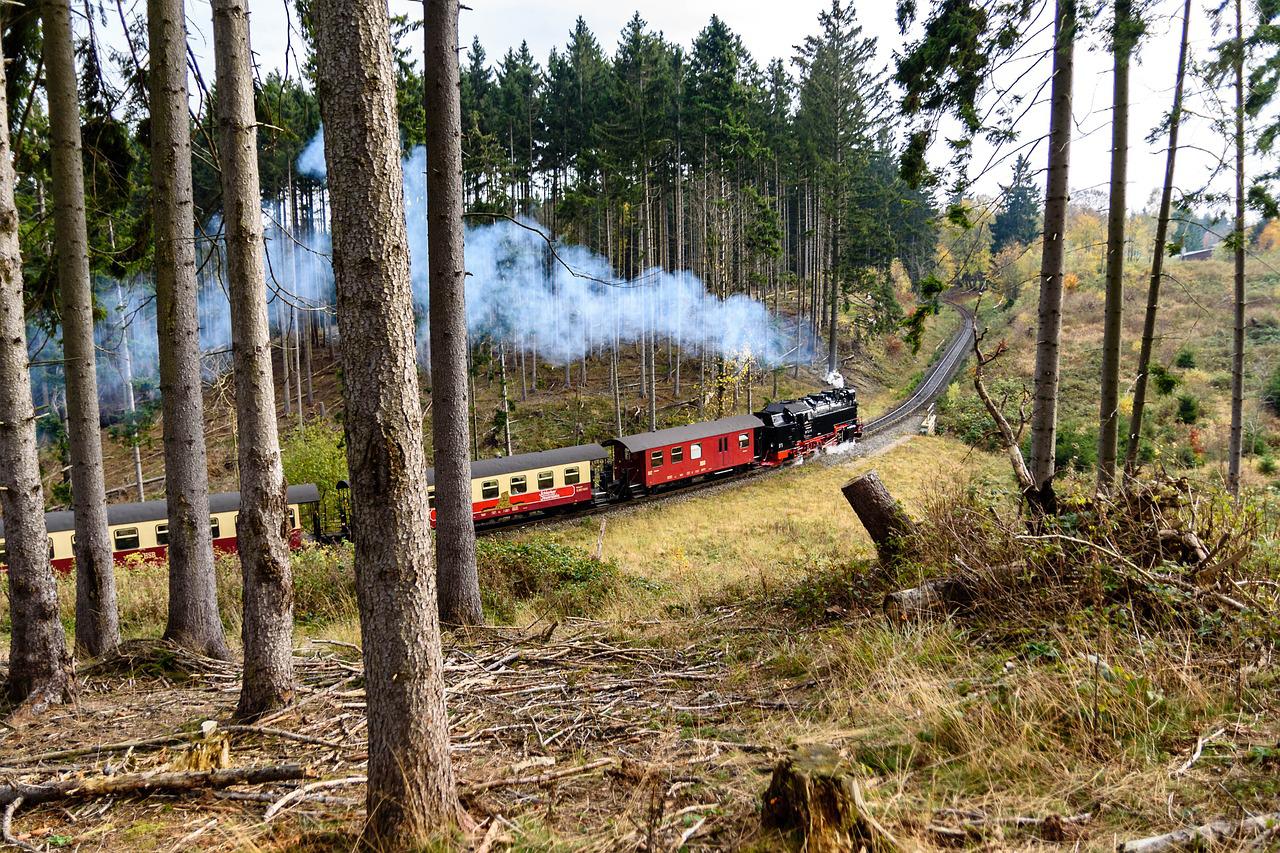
x=141 y=530
x=549 y=480
x=653 y=459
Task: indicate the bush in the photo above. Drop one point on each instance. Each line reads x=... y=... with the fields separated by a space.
x=1164 y=381
x=555 y=579
x=316 y=453
x=1267 y=465
x=1188 y=408
x=1186 y=359
x=1272 y=393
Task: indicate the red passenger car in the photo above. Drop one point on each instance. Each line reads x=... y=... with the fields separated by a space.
x=651 y=459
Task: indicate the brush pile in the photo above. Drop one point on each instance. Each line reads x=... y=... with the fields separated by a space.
x=1163 y=551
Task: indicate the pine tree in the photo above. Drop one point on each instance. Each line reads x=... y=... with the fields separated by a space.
x=411 y=791
x=1018 y=219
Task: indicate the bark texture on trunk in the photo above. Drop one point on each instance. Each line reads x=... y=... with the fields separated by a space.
x=1113 y=313
x=1157 y=258
x=459 y=584
x=1044 y=414
x=39 y=665
x=97 y=622
x=1235 y=446
x=262 y=528
x=411 y=790
x=193 y=595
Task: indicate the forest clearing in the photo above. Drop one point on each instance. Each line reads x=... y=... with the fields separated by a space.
x=818 y=429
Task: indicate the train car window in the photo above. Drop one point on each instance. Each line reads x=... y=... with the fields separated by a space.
x=4 y=552
x=293 y=518
x=162 y=534
x=546 y=479
x=655 y=459
x=127 y=539
x=431 y=498
x=571 y=476
x=489 y=490
x=50 y=547
x=743 y=440
x=677 y=454
x=519 y=485
x=215 y=529
x=695 y=451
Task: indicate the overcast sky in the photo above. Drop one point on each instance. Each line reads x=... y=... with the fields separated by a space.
x=772 y=29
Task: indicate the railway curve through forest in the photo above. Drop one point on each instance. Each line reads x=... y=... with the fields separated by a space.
x=930 y=387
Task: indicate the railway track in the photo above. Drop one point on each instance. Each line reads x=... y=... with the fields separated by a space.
x=930 y=387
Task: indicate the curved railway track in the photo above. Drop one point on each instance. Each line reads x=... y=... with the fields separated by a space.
x=930 y=387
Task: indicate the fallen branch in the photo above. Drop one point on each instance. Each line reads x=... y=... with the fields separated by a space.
x=151 y=782
x=299 y=793
x=1208 y=835
x=540 y=779
x=1195 y=755
x=6 y=827
x=101 y=749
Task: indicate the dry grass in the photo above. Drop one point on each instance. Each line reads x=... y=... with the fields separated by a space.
x=766 y=532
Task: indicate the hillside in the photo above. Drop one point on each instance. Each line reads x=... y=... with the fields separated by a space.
x=1189 y=419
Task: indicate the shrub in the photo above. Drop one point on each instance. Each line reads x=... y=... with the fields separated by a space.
x=557 y=579
x=1186 y=359
x=1272 y=392
x=316 y=453
x=1267 y=465
x=1188 y=408
x=1164 y=381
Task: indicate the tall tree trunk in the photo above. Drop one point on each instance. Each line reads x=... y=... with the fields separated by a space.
x=1157 y=257
x=193 y=595
x=39 y=665
x=411 y=790
x=1113 y=314
x=459 y=584
x=1235 y=445
x=97 y=622
x=262 y=528
x=131 y=402
x=1044 y=414
x=504 y=402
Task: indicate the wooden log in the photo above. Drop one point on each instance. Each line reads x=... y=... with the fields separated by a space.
x=150 y=782
x=813 y=793
x=886 y=523
x=1210 y=835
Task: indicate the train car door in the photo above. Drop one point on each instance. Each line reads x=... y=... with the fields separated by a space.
x=722 y=453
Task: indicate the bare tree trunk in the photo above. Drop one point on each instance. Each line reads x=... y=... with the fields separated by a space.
x=262 y=528
x=97 y=622
x=505 y=403
x=1113 y=314
x=458 y=582
x=1157 y=258
x=411 y=790
x=1044 y=415
x=1235 y=445
x=193 y=596
x=39 y=665
x=130 y=400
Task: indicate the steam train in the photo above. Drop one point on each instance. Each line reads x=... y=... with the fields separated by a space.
x=563 y=480
x=572 y=478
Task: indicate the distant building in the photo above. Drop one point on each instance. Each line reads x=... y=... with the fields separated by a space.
x=1198 y=255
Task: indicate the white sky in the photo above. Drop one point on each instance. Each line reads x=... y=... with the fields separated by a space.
x=771 y=29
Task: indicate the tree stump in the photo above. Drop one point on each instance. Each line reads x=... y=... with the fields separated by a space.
x=814 y=794
x=880 y=514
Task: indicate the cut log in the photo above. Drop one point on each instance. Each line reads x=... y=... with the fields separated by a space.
x=943 y=596
x=151 y=782
x=886 y=523
x=814 y=794
x=1210 y=835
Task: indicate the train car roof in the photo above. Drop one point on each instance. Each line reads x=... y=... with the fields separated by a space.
x=133 y=513
x=692 y=432
x=530 y=461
